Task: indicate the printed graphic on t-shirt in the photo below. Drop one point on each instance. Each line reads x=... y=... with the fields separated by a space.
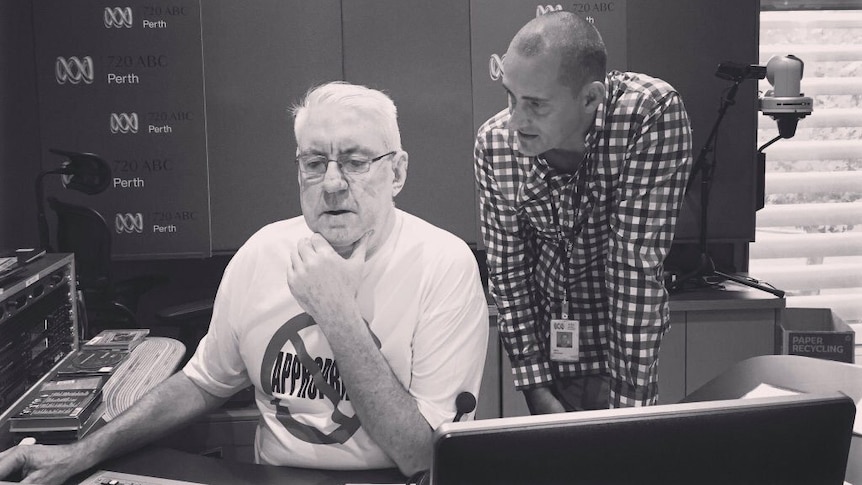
x=298 y=374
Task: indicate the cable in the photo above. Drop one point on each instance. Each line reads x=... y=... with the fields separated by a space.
x=770 y=142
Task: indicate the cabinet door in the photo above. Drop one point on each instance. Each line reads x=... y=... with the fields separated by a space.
x=715 y=340
x=222 y=433
x=489 y=404
x=514 y=403
x=671 y=361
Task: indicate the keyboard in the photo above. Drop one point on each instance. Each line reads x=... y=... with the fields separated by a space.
x=103 y=477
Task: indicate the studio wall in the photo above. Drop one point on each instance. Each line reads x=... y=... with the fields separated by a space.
x=258 y=57
x=19 y=132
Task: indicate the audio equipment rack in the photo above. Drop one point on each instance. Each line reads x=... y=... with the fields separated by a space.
x=38 y=329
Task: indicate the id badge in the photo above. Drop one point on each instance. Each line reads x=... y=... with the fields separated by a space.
x=565 y=340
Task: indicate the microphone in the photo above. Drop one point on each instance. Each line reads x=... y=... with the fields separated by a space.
x=465 y=403
x=785 y=103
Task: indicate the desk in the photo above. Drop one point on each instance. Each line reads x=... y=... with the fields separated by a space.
x=792 y=372
x=178 y=465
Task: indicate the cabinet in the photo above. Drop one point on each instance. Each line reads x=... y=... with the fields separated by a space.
x=223 y=433
x=710 y=331
x=488 y=402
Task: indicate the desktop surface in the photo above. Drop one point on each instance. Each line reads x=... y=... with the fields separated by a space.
x=188 y=467
x=105 y=477
x=803 y=374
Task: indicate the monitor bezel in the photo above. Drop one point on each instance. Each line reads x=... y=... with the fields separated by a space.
x=621 y=417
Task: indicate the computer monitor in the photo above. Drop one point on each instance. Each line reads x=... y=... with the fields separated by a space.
x=801 y=439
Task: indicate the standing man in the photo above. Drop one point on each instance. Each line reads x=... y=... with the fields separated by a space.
x=580 y=182
x=357 y=323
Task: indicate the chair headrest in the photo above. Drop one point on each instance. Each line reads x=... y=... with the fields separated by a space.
x=84 y=172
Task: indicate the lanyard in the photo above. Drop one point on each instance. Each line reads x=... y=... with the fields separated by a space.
x=565 y=246
x=566 y=240
x=564 y=310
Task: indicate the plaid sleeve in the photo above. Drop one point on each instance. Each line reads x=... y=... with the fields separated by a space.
x=651 y=189
x=510 y=263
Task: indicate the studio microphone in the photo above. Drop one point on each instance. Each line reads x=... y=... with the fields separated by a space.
x=465 y=403
x=784 y=102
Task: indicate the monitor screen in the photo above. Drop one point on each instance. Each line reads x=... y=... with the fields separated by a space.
x=785 y=439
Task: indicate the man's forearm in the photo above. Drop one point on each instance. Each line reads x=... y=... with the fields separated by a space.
x=388 y=412
x=169 y=405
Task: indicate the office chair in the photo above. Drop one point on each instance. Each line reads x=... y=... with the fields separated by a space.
x=191 y=320
x=108 y=304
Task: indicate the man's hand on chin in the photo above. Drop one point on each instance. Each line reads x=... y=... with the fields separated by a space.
x=324 y=283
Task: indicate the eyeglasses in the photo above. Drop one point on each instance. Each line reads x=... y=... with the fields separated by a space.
x=314 y=166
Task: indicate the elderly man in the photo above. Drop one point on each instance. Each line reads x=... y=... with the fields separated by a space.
x=357 y=323
x=580 y=183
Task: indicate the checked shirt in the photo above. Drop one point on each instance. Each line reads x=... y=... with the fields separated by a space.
x=613 y=220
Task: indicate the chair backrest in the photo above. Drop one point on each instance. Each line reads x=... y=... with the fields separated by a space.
x=84 y=232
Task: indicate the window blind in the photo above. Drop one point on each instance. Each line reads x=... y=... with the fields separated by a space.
x=808 y=240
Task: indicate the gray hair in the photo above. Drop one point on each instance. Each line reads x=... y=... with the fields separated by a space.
x=372 y=102
x=582 y=51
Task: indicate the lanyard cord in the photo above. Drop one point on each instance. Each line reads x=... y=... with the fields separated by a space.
x=567 y=241
x=564 y=248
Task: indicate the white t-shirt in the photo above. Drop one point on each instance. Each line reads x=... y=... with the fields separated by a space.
x=422 y=297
